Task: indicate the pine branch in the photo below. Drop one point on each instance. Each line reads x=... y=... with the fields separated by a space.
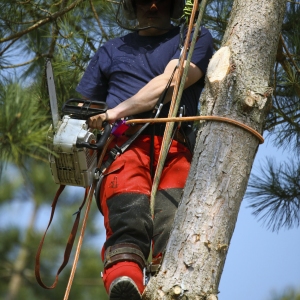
x=42 y=22
x=285 y=118
x=275 y=195
x=286 y=65
x=98 y=20
x=289 y=54
x=27 y=62
x=8 y=46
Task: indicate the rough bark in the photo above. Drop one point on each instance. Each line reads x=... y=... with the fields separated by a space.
x=238 y=86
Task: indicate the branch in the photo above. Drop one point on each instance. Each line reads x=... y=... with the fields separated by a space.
x=27 y=62
x=41 y=22
x=286 y=65
x=8 y=46
x=289 y=54
x=55 y=33
x=98 y=20
x=285 y=119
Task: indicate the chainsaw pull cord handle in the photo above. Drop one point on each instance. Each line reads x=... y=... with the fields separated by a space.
x=102 y=141
x=70 y=242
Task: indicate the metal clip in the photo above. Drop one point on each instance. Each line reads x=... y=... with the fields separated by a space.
x=145 y=277
x=158 y=110
x=181 y=114
x=97 y=174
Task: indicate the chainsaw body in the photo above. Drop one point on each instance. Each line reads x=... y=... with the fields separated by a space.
x=73 y=157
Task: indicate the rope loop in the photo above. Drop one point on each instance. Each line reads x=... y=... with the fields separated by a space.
x=200 y=118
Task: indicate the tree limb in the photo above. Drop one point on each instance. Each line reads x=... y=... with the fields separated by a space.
x=42 y=22
x=27 y=62
x=98 y=20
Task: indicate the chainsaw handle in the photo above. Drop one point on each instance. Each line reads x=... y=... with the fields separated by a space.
x=100 y=144
x=83 y=109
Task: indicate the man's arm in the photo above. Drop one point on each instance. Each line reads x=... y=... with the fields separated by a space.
x=146 y=98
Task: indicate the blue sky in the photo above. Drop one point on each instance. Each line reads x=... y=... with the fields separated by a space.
x=260 y=261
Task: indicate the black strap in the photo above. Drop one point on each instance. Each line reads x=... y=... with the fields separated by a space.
x=123 y=252
x=118 y=150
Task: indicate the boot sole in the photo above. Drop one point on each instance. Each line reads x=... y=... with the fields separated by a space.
x=124 y=288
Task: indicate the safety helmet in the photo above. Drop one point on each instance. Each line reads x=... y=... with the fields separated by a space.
x=126 y=13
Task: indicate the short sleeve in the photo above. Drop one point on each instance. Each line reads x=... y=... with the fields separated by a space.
x=203 y=50
x=94 y=83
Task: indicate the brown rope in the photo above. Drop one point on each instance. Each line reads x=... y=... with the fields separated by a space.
x=199 y=118
x=91 y=193
x=88 y=195
x=69 y=245
x=174 y=106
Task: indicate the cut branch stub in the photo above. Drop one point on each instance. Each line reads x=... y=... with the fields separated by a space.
x=219 y=65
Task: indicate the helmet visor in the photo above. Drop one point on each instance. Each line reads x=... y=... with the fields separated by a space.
x=126 y=15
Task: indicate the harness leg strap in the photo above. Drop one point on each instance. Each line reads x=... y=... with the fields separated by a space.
x=124 y=252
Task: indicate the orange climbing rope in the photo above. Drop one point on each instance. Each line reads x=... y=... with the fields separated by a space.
x=199 y=118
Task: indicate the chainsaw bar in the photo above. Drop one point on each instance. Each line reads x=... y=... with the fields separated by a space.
x=52 y=94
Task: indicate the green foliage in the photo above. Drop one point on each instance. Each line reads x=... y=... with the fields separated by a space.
x=216 y=18
x=69 y=32
x=278 y=203
x=287 y=294
x=19 y=244
x=22 y=132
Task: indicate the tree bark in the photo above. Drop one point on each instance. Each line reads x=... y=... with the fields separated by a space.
x=238 y=86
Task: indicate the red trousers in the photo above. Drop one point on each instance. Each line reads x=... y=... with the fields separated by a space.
x=125 y=194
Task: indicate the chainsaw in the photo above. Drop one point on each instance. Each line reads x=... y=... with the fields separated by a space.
x=73 y=146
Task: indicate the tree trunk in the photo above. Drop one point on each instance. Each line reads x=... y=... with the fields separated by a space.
x=15 y=282
x=238 y=86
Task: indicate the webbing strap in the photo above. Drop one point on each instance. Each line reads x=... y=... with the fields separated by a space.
x=70 y=242
x=118 y=150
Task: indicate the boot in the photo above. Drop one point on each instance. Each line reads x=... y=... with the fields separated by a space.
x=123 y=272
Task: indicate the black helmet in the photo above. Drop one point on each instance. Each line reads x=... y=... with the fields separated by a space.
x=126 y=13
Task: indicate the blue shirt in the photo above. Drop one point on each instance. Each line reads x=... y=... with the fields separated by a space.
x=122 y=66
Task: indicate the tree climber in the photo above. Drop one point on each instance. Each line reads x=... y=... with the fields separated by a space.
x=130 y=73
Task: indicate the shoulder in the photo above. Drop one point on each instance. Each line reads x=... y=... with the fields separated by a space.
x=205 y=33
x=205 y=38
x=113 y=43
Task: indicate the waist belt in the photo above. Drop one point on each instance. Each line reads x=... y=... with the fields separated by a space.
x=158 y=131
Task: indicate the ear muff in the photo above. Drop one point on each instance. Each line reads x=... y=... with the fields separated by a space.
x=129 y=10
x=178 y=6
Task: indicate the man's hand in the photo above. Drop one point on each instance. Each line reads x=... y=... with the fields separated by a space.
x=96 y=122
